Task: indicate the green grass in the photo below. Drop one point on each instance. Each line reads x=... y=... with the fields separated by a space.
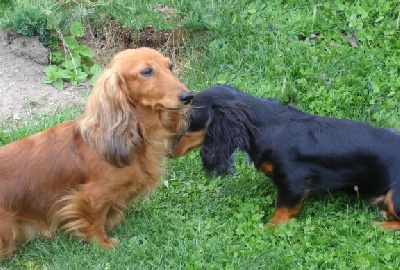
x=193 y=222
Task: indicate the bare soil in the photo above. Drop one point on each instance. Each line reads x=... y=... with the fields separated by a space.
x=23 y=94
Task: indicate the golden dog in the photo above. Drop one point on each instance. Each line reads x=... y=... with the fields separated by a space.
x=80 y=176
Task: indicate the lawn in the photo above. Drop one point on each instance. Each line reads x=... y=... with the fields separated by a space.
x=334 y=58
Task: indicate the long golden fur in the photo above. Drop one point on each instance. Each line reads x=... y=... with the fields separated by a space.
x=80 y=176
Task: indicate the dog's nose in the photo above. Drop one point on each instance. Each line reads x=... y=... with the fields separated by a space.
x=186 y=98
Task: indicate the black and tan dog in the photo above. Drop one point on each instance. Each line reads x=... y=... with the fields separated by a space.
x=303 y=154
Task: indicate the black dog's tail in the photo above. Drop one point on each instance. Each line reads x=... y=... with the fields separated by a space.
x=231 y=127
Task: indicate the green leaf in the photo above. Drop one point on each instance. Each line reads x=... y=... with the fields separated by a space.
x=93 y=80
x=76 y=29
x=83 y=50
x=389 y=240
x=48 y=80
x=95 y=69
x=85 y=68
x=66 y=74
x=71 y=65
x=74 y=81
x=252 y=8
x=221 y=79
x=51 y=70
x=78 y=76
x=71 y=42
x=81 y=76
x=58 y=83
x=57 y=57
x=53 y=74
x=77 y=59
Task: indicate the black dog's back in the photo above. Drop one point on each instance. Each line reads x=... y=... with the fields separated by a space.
x=331 y=153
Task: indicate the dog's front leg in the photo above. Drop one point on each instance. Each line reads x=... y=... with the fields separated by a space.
x=96 y=230
x=284 y=214
x=84 y=214
x=287 y=206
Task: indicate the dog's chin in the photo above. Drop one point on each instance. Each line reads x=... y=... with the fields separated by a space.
x=222 y=169
x=174 y=141
x=175 y=122
x=160 y=107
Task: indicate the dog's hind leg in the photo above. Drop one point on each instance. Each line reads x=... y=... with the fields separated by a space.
x=84 y=214
x=392 y=202
x=8 y=225
x=16 y=230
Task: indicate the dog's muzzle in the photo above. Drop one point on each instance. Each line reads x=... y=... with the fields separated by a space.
x=186 y=98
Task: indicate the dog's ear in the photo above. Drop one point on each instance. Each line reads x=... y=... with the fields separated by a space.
x=231 y=127
x=109 y=124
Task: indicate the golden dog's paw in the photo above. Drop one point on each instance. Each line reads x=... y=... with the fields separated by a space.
x=109 y=243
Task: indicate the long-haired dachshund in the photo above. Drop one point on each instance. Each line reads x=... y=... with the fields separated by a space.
x=80 y=176
x=304 y=154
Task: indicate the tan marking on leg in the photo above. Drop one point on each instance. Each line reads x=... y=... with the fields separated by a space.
x=390 y=208
x=188 y=142
x=266 y=167
x=389 y=225
x=394 y=224
x=284 y=214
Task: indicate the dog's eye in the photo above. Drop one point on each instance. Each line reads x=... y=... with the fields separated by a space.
x=171 y=67
x=147 y=72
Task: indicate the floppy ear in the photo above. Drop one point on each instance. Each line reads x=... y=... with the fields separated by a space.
x=109 y=124
x=230 y=128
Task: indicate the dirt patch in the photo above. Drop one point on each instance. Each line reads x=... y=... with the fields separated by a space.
x=22 y=91
x=24 y=95
x=115 y=38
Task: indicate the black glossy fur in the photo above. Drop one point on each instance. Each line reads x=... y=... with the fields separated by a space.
x=304 y=154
